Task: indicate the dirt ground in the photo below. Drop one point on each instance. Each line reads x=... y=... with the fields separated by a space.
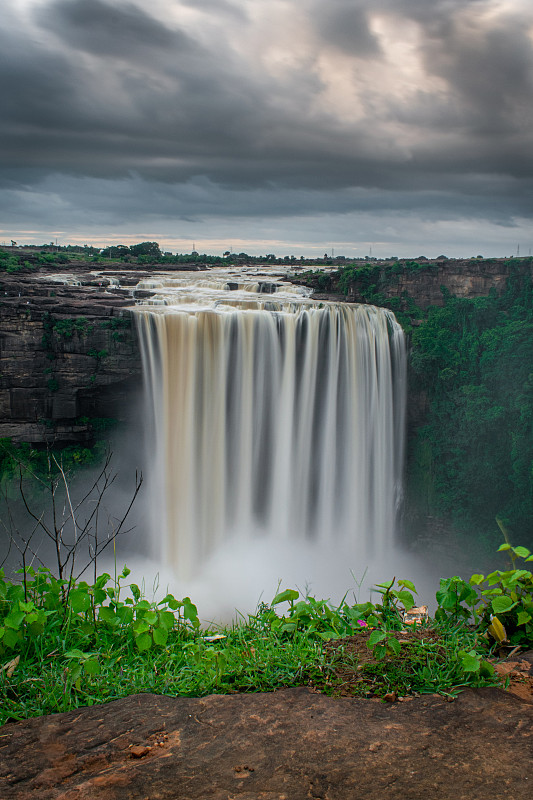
x=294 y=744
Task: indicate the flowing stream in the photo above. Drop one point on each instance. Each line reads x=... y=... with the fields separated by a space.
x=274 y=418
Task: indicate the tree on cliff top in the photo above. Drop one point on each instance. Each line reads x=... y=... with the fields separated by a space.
x=150 y=249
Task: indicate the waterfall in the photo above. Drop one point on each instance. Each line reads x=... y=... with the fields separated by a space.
x=273 y=417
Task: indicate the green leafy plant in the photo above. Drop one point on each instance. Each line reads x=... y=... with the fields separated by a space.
x=452 y=596
x=394 y=602
x=383 y=644
x=507 y=597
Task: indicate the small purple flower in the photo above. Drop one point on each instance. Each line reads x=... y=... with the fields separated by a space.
x=362 y=623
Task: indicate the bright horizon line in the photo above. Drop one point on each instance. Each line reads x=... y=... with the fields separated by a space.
x=252 y=247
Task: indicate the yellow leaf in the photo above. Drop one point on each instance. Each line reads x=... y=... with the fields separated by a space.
x=496 y=630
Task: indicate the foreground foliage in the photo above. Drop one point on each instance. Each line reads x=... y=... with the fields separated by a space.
x=65 y=643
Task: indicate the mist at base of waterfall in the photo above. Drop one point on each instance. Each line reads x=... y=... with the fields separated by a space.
x=240 y=574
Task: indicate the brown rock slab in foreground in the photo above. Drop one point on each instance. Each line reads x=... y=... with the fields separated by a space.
x=288 y=745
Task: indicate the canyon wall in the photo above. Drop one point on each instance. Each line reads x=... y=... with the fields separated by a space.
x=469 y=278
x=421 y=283
x=69 y=358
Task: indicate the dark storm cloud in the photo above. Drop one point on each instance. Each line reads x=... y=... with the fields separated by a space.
x=491 y=73
x=103 y=119
x=107 y=29
x=205 y=99
x=345 y=25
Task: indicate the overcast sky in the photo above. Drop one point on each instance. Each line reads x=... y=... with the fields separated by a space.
x=285 y=126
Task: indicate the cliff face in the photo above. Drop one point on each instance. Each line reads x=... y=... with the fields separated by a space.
x=469 y=278
x=69 y=358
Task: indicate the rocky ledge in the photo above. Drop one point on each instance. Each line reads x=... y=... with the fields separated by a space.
x=292 y=744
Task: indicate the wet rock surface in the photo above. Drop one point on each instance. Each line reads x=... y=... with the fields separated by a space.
x=289 y=745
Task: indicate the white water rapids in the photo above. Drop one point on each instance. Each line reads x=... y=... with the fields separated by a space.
x=276 y=421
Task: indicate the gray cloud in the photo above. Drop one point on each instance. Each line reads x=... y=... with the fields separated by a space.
x=345 y=25
x=221 y=118
x=106 y=29
x=217 y=7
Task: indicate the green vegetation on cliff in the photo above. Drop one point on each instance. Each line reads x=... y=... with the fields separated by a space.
x=472 y=359
x=474 y=455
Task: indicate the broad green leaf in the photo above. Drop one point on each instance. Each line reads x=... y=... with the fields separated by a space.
x=108 y=615
x=125 y=614
x=136 y=592
x=102 y=580
x=171 y=601
x=385 y=586
x=11 y=638
x=151 y=617
x=470 y=662
x=287 y=595
x=15 y=592
x=79 y=600
x=144 y=641
x=75 y=653
x=503 y=547
x=36 y=628
x=288 y=627
x=190 y=611
x=522 y=552
x=160 y=636
x=502 y=604
x=406 y=599
x=167 y=619
x=408 y=585
x=140 y=626
x=476 y=579
x=447 y=599
x=380 y=651
x=376 y=637
x=92 y=667
x=75 y=673
x=486 y=670
x=14 y=619
x=522 y=617
x=515 y=576
x=166 y=599
x=394 y=645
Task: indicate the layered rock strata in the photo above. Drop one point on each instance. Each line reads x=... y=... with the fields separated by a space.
x=69 y=358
